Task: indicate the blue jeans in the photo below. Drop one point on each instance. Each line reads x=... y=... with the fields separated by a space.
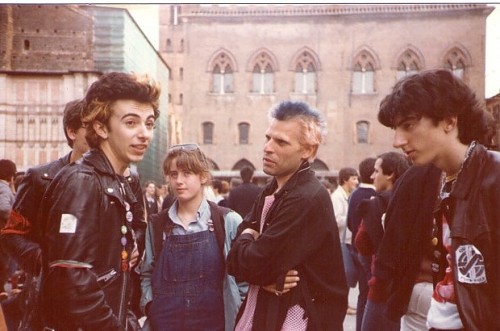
x=374 y=318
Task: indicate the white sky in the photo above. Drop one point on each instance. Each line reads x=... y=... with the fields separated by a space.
x=493 y=53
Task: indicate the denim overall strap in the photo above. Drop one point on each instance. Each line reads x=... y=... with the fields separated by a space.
x=188 y=283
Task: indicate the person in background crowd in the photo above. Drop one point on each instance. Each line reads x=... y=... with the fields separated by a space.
x=18 y=178
x=169 y=198
x=234 y=183
x=365 y=190
x=21 y=235
x=7 y=172
x=185 y=285
x=87 y=211
x=438 y=120
x=225 y=193
x=408 y=224
x=161 y=193
x=218 y=190
x=289 y=248
x=242 y=197
x=150 y=198
x=347 y=183
x=387 y=170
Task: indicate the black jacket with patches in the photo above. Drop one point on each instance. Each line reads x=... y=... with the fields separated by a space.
x=83 y=282
x=475 y=205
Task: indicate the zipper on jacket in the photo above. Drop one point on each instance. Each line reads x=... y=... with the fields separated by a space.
x=121 y=312
x=106 y=277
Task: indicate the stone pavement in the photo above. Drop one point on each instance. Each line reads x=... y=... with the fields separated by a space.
x=350 y=320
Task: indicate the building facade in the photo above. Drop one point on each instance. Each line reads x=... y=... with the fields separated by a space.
x=51 y=54
x=493 y=106
x=231 y=63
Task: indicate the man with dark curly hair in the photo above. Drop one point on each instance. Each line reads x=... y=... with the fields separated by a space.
x=438 y=120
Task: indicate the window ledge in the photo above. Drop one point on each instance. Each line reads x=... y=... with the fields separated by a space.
x=220 y=94
x=362 y=94
x=258 y=94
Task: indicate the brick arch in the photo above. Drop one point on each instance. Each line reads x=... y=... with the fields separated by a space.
x=242 y=163
x=317 y=164
x=213 y=164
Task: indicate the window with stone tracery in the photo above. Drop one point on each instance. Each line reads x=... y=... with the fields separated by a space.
x=363 y=73
x=408 y=64
x=263 y=74
x=222 y=75
x=305 y=74
x=456 y=61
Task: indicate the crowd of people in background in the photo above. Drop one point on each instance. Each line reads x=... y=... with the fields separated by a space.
x=86 y=246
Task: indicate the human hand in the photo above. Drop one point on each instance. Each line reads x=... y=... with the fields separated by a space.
x=254 y=233
x=291 y=280
x=134 y=257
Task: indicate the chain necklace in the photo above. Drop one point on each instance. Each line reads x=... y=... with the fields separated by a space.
x=446 y=189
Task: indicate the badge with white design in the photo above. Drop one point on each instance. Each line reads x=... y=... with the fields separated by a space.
x=470 y=265
x=68 y=223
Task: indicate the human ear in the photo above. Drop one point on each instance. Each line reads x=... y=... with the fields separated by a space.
x=308 y=151
x=450 y=123
x=100 y=129
x=71 y=133
x=391 y=177
x=203 y=179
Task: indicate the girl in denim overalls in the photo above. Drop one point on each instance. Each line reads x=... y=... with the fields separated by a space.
x=183 y=277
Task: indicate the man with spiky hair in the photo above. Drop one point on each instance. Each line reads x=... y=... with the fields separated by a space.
x=289 y=247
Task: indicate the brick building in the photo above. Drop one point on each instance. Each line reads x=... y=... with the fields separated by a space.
x=231 y=63
x=49 y=55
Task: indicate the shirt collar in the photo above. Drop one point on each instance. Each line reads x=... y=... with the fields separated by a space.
x=202 y=215
x=343 y=192
x=365 y=185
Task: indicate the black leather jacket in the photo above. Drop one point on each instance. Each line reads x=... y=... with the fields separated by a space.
x=21 y=239
x=475 y=233
x=299 y=233
x=82 y=215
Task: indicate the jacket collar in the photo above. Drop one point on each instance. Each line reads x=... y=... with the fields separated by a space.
x=66 y=158
x=291 y=183
x=471 y=170
x=97 y=159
